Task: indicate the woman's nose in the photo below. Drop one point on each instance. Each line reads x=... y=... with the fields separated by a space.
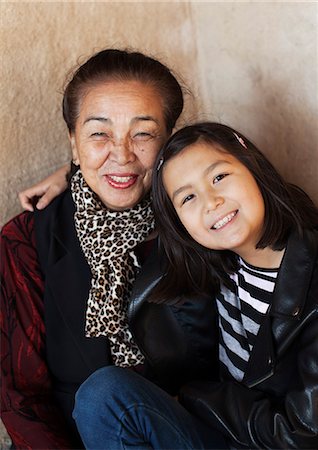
x=122 y=152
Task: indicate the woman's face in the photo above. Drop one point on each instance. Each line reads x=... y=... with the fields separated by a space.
x=118 y=134
x=216 y=198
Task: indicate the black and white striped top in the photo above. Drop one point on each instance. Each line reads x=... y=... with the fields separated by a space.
x=241 y=311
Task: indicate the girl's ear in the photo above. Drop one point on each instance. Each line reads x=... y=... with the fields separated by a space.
x=75 y=159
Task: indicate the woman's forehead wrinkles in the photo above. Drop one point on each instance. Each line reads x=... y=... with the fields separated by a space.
x=100 y=119
x=133 y=121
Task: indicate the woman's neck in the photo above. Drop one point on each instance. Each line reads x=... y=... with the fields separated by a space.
x=265 y=258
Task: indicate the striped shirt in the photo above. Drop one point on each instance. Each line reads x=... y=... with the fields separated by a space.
x=241 y=311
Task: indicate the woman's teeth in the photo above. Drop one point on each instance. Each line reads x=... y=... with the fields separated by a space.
x=120 y=179
x=224 y=221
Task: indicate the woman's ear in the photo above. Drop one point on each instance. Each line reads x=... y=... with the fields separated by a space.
x=75 y=159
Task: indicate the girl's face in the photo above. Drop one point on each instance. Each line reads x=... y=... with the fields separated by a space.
x=118 y=134
x=216 y=198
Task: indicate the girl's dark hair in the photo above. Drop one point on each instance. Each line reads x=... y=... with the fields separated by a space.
x=123 y=65
x=193 y=268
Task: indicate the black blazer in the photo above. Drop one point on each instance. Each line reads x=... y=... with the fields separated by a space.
x=181 y=338
x=71 y=356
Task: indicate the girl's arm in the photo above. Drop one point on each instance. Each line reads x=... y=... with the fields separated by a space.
x=41 y=194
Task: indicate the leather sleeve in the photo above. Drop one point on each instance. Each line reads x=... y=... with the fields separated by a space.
x=179 y=342
x=28 y=410
x=258 y=418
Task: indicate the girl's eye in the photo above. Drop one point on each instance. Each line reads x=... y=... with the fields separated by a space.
x=187 y=199
x=220 y=177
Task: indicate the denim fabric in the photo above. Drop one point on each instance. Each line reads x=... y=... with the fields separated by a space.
x=116 y=409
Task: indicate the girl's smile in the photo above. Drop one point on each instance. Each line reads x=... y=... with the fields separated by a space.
x=216 y=198
x=220 y=224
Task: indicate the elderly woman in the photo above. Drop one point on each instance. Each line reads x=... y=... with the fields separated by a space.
x=68 y=270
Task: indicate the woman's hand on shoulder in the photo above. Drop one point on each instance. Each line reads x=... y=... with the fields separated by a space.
x=41 y=194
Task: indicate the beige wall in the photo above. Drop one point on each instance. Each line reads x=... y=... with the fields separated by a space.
x=253 y=65
x=259 y=72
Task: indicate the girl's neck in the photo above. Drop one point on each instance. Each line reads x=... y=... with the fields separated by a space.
x=265 y=258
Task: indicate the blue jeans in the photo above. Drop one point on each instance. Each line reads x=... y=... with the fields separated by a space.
x=116 y=409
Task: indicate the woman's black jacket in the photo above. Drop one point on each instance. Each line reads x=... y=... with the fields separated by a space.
x=181 y=339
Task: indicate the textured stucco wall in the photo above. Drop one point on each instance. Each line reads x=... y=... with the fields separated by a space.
x=258 y=65
x=253 y=65
x=40 y=43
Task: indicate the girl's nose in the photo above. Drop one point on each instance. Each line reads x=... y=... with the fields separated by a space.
x=213 y=201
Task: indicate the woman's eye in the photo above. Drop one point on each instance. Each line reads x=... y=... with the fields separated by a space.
x=100 y=134
x=142 y=136
x=218 y=178
x=187 y=199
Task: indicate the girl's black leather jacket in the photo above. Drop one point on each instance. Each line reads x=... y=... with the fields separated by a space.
x=276 y=404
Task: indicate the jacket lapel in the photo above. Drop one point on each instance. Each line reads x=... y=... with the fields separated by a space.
x=68 y=280
x=284 y=319
x=146 y=280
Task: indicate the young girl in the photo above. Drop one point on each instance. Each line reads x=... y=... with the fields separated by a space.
x=230 y=225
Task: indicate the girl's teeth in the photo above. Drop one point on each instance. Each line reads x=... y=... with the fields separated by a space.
x=223 y=221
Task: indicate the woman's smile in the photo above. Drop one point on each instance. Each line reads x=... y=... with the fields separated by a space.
x=121 y=181
x=118 y=134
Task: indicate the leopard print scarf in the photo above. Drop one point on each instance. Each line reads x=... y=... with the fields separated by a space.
x=107 y=239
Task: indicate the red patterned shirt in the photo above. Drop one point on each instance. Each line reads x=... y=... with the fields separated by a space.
x=28 y=409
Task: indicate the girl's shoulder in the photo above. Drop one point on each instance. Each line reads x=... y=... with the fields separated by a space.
x=307 y=239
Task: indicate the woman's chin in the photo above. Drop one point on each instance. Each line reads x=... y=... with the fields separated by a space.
x=122 y=199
